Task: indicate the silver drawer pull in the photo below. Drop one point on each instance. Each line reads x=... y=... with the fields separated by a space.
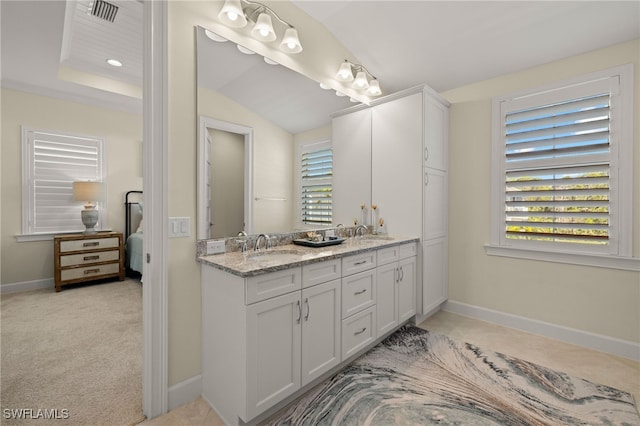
x=360 y=331
x=360 y=292
x=91 y=257
x=306 y=317
x=360 y=262
x=91 y=244
x=91 y=271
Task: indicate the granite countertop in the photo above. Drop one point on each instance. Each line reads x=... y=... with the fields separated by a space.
x=290 y=255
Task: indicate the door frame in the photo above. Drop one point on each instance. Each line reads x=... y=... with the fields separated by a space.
x=155 y=227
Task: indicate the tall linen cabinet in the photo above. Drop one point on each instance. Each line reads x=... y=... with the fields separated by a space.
x=393 y=155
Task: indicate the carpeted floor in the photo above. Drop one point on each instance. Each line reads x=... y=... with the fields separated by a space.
x=74 y=355
x=416 y=377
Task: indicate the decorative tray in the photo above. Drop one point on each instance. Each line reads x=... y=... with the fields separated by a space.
x=324 y=243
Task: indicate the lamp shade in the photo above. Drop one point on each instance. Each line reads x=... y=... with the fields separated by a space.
x=263 y=29
x=290 y=42
x=374 y=88
x=87 y=191
x=344 y=72
x=232 y=15
x=361 y=81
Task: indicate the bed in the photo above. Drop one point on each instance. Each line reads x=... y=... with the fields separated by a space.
x=133 y=233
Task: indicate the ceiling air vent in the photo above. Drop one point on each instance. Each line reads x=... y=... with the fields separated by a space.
x=104 y=10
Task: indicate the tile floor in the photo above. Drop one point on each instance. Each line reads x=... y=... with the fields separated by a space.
x=591 y=365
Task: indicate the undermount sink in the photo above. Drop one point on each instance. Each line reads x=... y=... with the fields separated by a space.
x=377 y=237
x=274 y=254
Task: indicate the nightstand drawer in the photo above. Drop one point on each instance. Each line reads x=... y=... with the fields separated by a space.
x=89 y=244
x=86 y=258
x=89 y=271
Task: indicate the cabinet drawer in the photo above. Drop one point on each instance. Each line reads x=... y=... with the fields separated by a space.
x=358 y=262
x=322 y=272
x=86 y=258
x=89 y=272
x=408 y=250
x=90 y=244
x=266 y=286
x=388 y=255
x=358 y=331
x=358 y=292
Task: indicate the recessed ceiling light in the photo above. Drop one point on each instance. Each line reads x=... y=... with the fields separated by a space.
x=114 y=62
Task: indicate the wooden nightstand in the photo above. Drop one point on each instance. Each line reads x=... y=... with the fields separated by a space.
x=86 y=257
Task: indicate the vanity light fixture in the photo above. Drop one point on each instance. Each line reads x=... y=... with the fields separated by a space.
x=359 y=77
x=237 y=13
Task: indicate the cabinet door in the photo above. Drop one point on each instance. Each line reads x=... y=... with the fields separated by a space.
x=396 y=157
x=273 y=351
x=436 y=133
x=435 y=272
x=406 y=289
x=435 y=204
x=351 y=144
x=387 y=306
x=321 y=325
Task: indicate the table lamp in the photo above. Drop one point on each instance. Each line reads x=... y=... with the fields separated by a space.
x=89 y=192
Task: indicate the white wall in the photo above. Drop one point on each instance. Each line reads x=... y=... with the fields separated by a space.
x=122 y=132
x=595 y=300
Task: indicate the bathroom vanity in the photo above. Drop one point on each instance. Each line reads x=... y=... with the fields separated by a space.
x=276 y=322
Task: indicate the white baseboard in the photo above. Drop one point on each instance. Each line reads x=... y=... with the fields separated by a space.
x=184 y=392
x=26 y=286
x=598 y=342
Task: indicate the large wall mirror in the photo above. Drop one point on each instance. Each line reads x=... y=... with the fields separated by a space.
x=264 y=108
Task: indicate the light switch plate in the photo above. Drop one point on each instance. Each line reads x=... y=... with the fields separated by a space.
x=179 y=227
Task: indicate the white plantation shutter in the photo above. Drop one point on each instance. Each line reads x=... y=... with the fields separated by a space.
x=316 y=178
x=557 y=171
x=560 y=168
x=52 y=162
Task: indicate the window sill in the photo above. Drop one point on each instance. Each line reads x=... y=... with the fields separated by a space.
x=601 y=261
x=26 y=238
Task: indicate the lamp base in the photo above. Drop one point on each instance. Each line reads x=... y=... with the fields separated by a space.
x=89 y=220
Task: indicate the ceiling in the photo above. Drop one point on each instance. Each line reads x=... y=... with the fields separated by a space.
x=445 y=44
x=63 y=51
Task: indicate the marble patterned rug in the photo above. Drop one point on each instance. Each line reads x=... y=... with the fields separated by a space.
x=415 y=377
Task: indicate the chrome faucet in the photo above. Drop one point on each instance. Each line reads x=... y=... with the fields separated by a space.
x=361 y=228
x=267 y=242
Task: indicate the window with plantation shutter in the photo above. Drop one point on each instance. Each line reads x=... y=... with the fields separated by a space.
x=316 y=177
x=51 y=163
x=558 y=170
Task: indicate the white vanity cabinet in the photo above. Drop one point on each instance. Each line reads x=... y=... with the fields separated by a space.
x=435 y=264
x=266 y=336
x=358 y=302
x=396 y=286
x=409 y=177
